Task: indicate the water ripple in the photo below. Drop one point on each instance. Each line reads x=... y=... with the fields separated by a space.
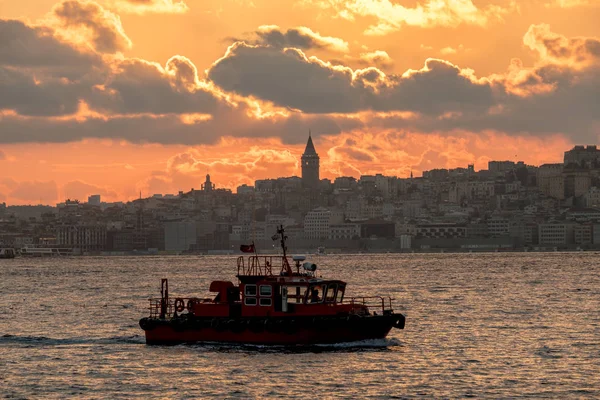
x=478 y=325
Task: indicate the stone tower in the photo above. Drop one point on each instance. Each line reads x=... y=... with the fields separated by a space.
x=208 y=186
x=310 y=165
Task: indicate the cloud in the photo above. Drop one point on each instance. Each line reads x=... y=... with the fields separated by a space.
x=557 y=49
x=79 y=190
x=377 y=58
x=267 y=89
x=289 y=78
x=300 y=37
x=170 y=128
x=150 y=6
x=87 y=21
x=391 y=16
x=43 y=192
x=453 y=50
x=232 y=168
x=27 y=94
x=396 y=152
x=2 y=155
x=40 y=75
x=352 y=153
x=23 y=46
x=448 y=50
x=139 y=86
x=571 y=3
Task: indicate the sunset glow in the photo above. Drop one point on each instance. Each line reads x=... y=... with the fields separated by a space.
x=119 y=97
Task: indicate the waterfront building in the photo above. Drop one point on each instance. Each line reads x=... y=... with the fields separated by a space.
x=318 y=221
x=83 y=237
x=344 y=231
x=180 y=236
x=498 y=226
x=583 y=234
x=438 y=231
x=556 y=233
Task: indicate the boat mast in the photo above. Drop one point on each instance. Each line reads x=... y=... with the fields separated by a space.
x=283 y=237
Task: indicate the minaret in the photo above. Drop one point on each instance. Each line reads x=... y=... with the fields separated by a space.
x=310 y=165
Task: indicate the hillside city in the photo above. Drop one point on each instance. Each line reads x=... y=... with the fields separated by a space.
x=509 y=206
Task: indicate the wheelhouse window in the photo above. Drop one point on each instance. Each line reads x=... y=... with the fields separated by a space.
x=265 y=301
x=266 y=290
x=296 y=294
x=339 y=296
x=250 y=301
x=330 y=296
x=250 y=290
x=316 y=293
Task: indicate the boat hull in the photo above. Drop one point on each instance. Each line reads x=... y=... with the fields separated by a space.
x=273 y=331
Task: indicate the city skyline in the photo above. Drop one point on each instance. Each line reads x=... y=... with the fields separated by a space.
x=95 y=100
x=310 y=180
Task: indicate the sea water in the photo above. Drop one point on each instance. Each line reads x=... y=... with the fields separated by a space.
x=495 y=325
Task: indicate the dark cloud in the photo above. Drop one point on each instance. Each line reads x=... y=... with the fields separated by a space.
x=355 y=154
x=23 y=93
x=139 y=86
x=300 y=37
x=289 y=79
x=34 y=83
x=41 y=76
x=169 y=129
x=571 y=107
x=377 y=58
x=107 y=35
x=437 y=89
x=557 y=48
x=142 y=101
x=23 y=46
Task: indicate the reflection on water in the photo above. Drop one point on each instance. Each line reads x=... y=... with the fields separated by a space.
x=478 y=325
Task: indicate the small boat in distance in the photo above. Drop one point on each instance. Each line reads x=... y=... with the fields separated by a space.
x=45 y=252
x=272 y=304
x=7 y=253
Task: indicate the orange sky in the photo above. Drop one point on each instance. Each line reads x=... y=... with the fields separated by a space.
x=121 y=96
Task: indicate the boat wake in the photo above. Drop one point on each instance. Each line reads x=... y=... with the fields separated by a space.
x=33 y=341
x=369 y=343
x=362 y=345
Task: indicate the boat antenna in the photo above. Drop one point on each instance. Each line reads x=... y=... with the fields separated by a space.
x=283 y=238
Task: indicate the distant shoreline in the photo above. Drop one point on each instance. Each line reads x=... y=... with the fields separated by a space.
x=312 y=254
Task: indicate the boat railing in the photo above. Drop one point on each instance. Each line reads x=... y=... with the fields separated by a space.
x=372 y=302
x=167 y=308
x=260 y=265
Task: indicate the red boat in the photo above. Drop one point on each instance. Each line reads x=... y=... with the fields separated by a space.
x=286 y=307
